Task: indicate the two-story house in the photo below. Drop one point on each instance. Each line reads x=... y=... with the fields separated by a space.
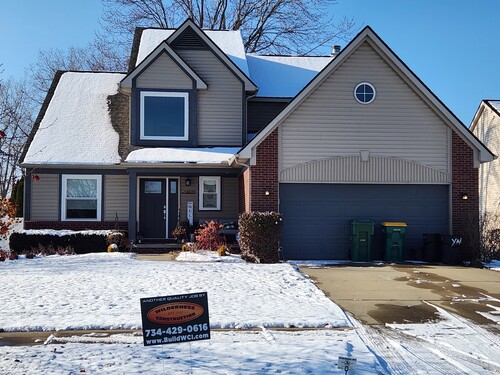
x=198 y=129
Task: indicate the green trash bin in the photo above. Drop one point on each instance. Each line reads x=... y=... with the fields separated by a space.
x=394 y=234
x=361 y=240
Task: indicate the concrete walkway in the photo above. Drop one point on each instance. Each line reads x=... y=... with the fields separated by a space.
x=396 y=293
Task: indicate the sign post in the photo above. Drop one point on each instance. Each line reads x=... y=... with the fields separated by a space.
x=173 y=319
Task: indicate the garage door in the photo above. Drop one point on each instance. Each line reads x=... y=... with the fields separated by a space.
x=316 y=216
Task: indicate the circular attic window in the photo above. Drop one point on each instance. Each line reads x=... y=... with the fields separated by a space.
x=365 y=93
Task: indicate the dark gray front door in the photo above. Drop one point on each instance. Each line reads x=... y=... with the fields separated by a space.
x=316 y=216
x=152 y=208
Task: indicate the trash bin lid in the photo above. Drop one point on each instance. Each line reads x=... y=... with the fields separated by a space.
x=394 y=224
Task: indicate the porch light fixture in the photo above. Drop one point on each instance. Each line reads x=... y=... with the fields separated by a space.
x=267 y=192
x=188 y=182
x=465 y=196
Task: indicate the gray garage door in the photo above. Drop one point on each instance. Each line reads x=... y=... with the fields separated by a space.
x=316 y=216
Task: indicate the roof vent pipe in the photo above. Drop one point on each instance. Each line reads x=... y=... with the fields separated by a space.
x=335 y=50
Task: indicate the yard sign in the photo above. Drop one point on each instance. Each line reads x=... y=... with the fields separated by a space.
x=172 y=319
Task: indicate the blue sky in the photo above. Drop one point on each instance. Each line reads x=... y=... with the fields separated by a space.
x=452 y=45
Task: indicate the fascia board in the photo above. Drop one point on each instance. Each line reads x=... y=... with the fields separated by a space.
x=127 y=81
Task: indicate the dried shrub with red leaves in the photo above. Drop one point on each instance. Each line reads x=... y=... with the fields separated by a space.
x=208 y=237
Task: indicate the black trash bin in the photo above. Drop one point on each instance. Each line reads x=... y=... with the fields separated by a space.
x=450 y=246
x=432 y=247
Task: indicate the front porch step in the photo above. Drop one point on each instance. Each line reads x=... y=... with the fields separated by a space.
x=155 y=248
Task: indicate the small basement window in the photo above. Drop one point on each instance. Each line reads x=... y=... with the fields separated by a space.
x=209 y=195
x=81 y=197
x=164 y=115
x=365 y=93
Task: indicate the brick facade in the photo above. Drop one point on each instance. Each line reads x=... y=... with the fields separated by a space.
x=76 y=225
x=465 y=180
x=244 y=193
x=264 y=176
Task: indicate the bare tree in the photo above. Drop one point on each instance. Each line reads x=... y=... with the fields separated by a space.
x=267 y=26
x=93 y=57
x=15 y=123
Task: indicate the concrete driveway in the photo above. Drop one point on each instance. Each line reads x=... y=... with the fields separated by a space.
x=398 y=293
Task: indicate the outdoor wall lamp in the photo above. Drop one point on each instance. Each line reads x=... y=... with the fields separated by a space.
x=187 y=182
x=465 y=196
x=267 y=192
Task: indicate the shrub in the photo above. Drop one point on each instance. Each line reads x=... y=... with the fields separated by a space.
x=208 y=237
x=481 y=242
x=259 y=234
x=78 y=243
x=179 y=233
x=116 y=238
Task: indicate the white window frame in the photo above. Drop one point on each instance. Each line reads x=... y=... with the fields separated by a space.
x=201 y=192
x=64 y=190
x=166 y=94
x=367 y=84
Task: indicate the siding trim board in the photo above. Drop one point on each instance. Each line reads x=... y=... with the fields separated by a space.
x=352 y=169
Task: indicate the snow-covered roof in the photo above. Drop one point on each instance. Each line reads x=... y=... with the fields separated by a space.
x=214 y=155
x=284 y=76
x=76 y=128
x=230 y=42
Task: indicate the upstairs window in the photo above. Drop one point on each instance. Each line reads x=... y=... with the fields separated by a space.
x=164 y=116
x=209 y=193
x=81 y=197
x=365 y=93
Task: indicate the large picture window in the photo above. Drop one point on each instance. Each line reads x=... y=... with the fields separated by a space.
x=81 y=197
x=164 y=115
x=209 y=193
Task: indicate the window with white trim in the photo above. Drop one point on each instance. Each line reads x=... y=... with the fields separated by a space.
x=209 y=197
x=365 y=93
x=81 y=197
x=164 y=115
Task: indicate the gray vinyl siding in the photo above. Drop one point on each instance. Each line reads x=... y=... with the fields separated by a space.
x=229 y=200
x=116 y=197
x=164 y=73
x=220 y=112
x=45 y=198
x=488 y=131
x=330 y=123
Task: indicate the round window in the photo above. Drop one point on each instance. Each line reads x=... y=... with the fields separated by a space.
x=364 y=93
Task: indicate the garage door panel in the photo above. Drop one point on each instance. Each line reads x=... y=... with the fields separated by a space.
x=316 y=216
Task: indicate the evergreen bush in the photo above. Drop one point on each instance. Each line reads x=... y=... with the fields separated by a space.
x=259 y=234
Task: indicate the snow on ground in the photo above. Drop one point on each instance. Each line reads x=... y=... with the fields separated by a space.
x=263 y=352
x=208 y=256
x=103 y=290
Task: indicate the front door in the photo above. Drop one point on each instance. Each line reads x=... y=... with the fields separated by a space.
x=153 y=208
x=158 y=207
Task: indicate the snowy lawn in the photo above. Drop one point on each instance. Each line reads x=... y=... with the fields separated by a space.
x=305 y=352
x=102 y=291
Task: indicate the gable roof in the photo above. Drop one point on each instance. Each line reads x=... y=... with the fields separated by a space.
x=162 y=48
x=494 y=105
x=74 y=111
x=249 y=85
x=367 y=34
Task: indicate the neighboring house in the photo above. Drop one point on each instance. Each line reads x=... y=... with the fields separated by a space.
x=197 y=129
x=486 y=126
